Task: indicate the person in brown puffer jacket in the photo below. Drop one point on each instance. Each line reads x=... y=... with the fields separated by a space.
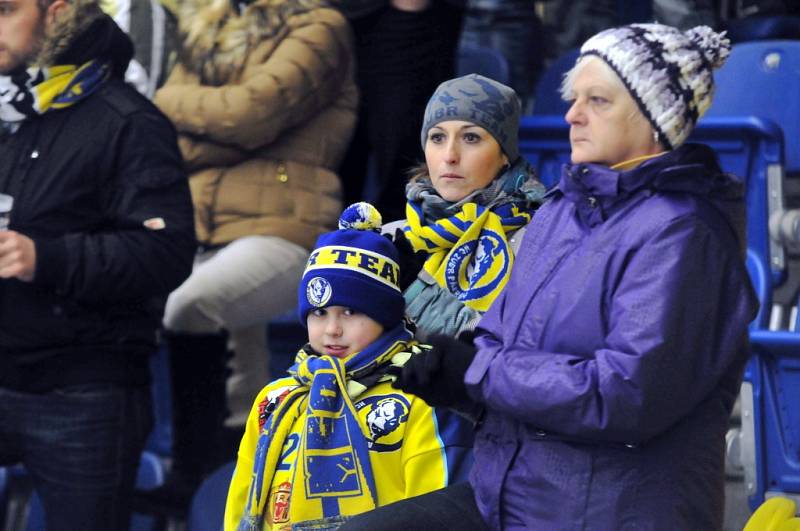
x=264 y=100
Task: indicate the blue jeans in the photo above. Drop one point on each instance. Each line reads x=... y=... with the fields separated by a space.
x=81 y=445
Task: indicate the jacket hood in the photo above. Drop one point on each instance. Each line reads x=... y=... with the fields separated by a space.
x=691 y=169
x=82 y=33
x=217 y=38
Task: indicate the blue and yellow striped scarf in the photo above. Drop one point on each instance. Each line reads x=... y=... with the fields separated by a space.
x=332 y=466
x=38 y=90
x=469 y=251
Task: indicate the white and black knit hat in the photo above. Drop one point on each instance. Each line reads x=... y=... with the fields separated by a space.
x=668 y=72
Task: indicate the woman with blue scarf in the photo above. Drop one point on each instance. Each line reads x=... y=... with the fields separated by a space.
x=466 y=205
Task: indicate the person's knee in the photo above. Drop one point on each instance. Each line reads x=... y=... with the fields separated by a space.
x=191 y=311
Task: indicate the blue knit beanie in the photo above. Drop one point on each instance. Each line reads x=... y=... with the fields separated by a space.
x=354 y=267
x=481 y=101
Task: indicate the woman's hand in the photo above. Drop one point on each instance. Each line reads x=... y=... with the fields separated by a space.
x=436 y=374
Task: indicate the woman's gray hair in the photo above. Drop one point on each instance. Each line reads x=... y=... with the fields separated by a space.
x=608 y=73
x=569 y=78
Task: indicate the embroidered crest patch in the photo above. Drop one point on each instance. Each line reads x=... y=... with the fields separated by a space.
x=385 y=414
x=281 y=496
x=318 y=292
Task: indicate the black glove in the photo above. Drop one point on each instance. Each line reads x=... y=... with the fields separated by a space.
x=411 y=261
x=437 y=374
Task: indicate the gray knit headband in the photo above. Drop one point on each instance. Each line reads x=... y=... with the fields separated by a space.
x=479 y=100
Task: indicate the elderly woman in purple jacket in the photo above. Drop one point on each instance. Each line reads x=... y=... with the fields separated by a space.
x=608 y=366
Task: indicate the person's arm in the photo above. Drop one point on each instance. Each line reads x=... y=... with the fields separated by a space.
x=302 y=76
x=243 y=473
x=676 y=322
x=147 y=244
x=198 y=153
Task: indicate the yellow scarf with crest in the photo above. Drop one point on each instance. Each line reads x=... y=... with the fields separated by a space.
x=469 y=252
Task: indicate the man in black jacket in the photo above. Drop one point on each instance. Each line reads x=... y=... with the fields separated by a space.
x=101 y=231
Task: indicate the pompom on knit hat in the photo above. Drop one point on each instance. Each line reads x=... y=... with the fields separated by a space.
x=354 y=267
x=479 y=100
x=668 y=72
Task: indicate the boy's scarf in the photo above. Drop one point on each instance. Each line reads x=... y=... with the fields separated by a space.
x=38 y=90
x=469 y=251
x=332 y=462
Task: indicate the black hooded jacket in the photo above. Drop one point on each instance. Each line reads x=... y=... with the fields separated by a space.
x=99 y=187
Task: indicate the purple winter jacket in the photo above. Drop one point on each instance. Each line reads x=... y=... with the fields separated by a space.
x=609 y=365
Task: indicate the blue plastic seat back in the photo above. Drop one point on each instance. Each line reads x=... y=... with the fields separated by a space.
x=544 y=142
x=547 y=98
x=484 y=61
x=208 y=504
x=762 y=78
x=759 y=276
x=775 y=376
x=751 y=149
x=763 y=28
x=151 y=474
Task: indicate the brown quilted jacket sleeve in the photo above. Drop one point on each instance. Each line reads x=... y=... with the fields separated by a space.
x=302 y=74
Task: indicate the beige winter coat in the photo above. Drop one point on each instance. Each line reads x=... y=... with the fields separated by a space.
x=265 y=105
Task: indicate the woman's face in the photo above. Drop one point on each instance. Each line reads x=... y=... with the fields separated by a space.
x=606 y=125
x=462 y=157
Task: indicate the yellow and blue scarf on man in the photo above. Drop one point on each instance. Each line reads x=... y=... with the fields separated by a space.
x=332 y=467
x=469 y=251
x=38 y=90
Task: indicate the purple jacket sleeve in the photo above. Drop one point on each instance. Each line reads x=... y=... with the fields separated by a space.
x=674 y=325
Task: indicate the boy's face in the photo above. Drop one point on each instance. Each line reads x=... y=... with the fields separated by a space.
x=339 y=331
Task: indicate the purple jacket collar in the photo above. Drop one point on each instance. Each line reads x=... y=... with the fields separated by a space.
x=597 y=190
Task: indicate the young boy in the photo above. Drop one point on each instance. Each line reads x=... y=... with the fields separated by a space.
x=334 y=438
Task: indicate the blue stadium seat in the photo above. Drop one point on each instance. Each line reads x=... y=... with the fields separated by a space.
x=772 y=395
x=208 y=505
x=547 y=98
x=151 y=474
x=759 y=276
x=762 y=78
x=484 y=61
x=759 y=28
